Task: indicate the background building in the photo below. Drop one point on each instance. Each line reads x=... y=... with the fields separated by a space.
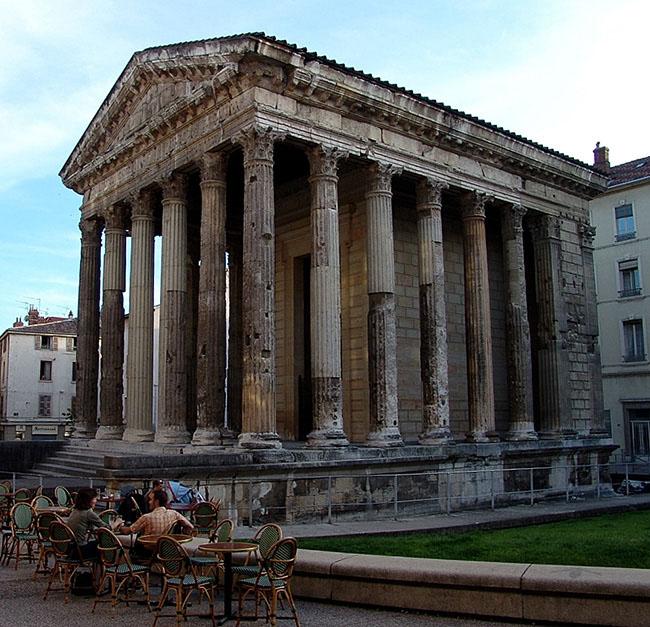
x=622 y=259
x=38 y=367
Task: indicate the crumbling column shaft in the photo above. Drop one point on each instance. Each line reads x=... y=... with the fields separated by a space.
x=211 y=332
x=172 y=403
x=520 y=373
x=112 y=387
x=139 y=369
x=382 y=340
x=478 y=327
x=325 y=305
x=234 y=380
x=258 y=306
x=433 y=318
x=88 y=329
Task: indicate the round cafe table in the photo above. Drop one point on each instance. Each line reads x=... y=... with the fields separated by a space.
x=227 y=549
x=55 y=509
x=150 y=541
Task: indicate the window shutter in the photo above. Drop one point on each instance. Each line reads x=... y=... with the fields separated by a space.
x=68 y=344
x=55 y=343
x=37 y=342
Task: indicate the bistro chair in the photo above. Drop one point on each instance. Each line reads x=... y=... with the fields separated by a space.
x=5 y=501
x=205 y=563
x=205 y=516
x=272 y=583
x=67 y=558
x=118 y=570
x=23 y=536
x=22 y=495
x=41 y=501
x=108 y=516
x=266 y=537
x=43 y=522
x=62 y=496
x=180 y=576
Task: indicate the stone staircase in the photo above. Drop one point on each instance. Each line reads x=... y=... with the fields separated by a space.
x=71 y=461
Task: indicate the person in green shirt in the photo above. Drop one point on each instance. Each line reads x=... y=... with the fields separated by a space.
x=83 y=520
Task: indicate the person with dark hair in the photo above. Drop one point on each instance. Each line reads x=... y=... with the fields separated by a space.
x=83 y=520
x=156 y=486
x=160 y=519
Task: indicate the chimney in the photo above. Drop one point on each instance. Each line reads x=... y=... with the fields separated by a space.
x=32 y=315
x=18 y=323
x=601 y=158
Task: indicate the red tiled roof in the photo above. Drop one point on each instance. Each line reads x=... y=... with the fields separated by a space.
x=630 y=171
x=64 y=327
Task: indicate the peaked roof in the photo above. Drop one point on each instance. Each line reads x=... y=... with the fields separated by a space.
x=254 y=39
x=635 y=170
x=63 y=327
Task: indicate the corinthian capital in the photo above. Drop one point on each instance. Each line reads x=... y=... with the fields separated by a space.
x=213 y=167
x=323 y=160
x=587 y=234
x=512 y=221
x=115 y=217
x=91 y=231
x=174 y=186
x=474 y=203
x=428 y=194
x=258 y=142
x=544 y=226
x=143 y=205
x=381 y=175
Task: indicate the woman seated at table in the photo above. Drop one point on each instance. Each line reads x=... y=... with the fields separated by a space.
x=156 y=522
x=83 y=520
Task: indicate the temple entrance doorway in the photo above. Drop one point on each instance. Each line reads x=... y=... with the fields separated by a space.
x=302 y=347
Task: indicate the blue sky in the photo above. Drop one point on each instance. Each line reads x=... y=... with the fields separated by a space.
x=565 y=73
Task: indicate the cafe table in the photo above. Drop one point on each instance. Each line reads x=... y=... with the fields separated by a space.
x=227 y=549
x=54 y=509
x=149 y=542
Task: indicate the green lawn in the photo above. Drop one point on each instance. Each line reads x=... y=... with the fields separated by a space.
x=608 y=540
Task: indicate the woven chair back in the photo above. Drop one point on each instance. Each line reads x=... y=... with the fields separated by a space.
x=62 y=496
x=62 y=538
x=281 y=559
x=22 y=495
x=43 y=522
x=205 y=515
x=42 y=501
x=267 y=536
x=172 y=557
x=109 y=546
x=223 y=532
x=22 y=517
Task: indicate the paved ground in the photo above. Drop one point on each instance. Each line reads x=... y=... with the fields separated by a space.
x=23 y=606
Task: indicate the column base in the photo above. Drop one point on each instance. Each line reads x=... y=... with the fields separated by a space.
x=137 y=435
x=433 y=437
x=172 y=435
x=390 y=436
x=109 y=432
x=521 y=432
x=480 y=436
x=259 y=440
x=228 y=436
x=83 y=432
x=206 y=437
x=326 y=438
x=550 y=435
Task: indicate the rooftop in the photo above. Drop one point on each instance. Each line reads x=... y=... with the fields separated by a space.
x=635 y=170
x=68 y=326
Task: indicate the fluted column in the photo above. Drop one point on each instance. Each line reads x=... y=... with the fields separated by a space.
x=234 y=380
x=382 y=338
x=112 y=329
x=211 y=332
x=595 y=378
x=552 y=356
x=325 y=305
x=258 y=304
x=172 y=395
x=85 y=420
x=139 y=366
x=478 y=327
x=433 y=317
x=520 y=372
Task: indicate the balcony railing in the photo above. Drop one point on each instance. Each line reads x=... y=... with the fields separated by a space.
x=631 y=357
x=634 y=291
x=621 y=237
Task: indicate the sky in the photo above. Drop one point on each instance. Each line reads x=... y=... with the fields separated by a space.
x=565 y=73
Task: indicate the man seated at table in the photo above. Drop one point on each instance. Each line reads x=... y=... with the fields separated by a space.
x=159 y=520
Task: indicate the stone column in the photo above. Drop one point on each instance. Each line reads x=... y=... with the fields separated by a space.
x=172 y=403
x=258 y=304
x=112 y=329
x=85 y=421
x=234 y=380
x=382 y=339
x=478 y=326
x=433 y=316
x=520 y=371
x=552 y=356
x=139 y=366
x=211 y=332
x=327 y=401
x=594 y=374
x=192 y=322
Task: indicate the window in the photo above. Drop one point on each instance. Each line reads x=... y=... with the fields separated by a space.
x=625 y=228
x=74 y=372
x=46 y=342
x=633 y=340
x=46 y=371
x=44 y=405
x=628 y=278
